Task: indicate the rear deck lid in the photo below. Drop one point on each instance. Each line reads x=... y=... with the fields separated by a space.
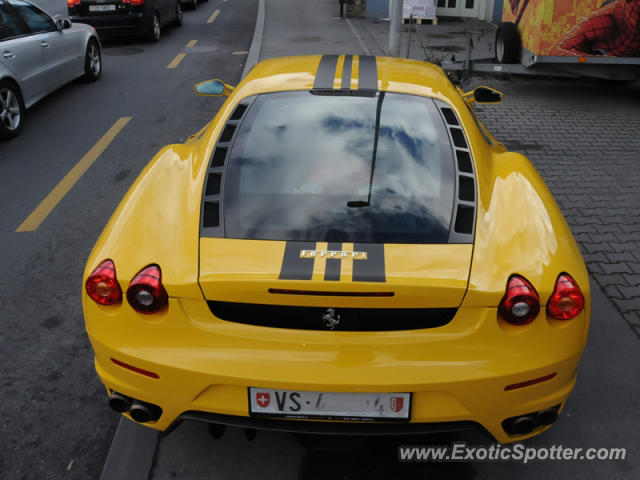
x=321 y=199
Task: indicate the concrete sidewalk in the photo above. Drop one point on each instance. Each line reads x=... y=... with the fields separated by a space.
x=316 y=28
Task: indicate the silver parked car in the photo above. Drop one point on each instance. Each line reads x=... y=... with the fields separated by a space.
x=37 y=56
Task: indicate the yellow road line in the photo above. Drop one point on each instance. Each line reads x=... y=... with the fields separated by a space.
x=213 y=16
x=176 y=61
x=41 y=212
x=192 y=43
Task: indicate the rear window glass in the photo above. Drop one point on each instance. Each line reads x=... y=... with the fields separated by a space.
x=311 y=167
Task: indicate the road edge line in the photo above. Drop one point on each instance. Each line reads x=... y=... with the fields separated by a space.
x=256 y=42
x=53 y=198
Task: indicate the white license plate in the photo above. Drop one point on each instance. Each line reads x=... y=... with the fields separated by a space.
x=102 y=8
x=329 y=406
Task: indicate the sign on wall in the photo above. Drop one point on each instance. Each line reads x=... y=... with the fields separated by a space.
x=419 y=8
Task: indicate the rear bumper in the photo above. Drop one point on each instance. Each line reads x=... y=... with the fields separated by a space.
x=335 y=428
x=456 y=373
x=115 y=25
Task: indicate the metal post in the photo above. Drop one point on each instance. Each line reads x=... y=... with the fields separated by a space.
x=394 y=27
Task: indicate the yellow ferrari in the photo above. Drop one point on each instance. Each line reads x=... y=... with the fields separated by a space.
x=343 y=248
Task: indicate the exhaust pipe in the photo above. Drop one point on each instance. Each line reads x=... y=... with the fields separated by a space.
x=119 y=403
x=547 y=416
x=143 y=412
x=523 y=425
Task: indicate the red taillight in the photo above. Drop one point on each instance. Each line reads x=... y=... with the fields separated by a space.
x=146 y=293
x=102 y=285
x=567 y=300
x=521 y=303
x=73 y=3
x=135 y=2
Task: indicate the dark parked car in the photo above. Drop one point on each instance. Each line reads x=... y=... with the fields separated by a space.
x=192 y=4
x=127 y=17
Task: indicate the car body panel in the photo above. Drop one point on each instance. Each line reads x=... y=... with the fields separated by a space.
x=28 y=65
x=419 y=276
x=457 y=371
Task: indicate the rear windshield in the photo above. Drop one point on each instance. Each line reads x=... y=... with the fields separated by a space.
x=308 y=167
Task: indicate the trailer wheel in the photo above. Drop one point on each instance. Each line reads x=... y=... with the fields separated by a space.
x=508 y=43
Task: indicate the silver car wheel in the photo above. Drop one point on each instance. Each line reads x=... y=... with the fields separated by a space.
x=9 y=109
x=94 y=60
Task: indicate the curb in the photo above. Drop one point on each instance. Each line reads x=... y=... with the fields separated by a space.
x=132 y=452
x=256 y=43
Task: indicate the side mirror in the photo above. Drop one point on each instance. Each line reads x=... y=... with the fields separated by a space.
x=214 y=88
x=483 y=95
x=63 y=23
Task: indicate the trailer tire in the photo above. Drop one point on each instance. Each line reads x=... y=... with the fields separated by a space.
x=508 y=43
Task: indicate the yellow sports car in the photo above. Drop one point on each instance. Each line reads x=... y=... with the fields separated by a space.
x=343 y=248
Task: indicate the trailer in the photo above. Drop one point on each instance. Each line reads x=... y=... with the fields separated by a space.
x=570 y=38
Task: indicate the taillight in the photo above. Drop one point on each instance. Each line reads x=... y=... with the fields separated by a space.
x=73 y=3
x=521 y=303
x=146 y=293
x=102 y=285
x=567 y=300
x=134 y=2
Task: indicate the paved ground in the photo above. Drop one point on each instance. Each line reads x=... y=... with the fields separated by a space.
x=55 y=423
x=581 y=135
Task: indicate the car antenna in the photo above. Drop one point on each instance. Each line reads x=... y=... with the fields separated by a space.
x=362 y=203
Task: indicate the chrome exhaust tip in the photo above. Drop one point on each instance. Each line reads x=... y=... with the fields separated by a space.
x=119 y=403
x=523 y=425
x=547 y=416
x=143 y=412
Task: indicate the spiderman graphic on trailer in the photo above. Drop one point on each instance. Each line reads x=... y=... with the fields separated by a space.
x=613 y=30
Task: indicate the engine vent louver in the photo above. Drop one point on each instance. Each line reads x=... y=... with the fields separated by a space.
x=214 y=184
x=450 y=117
x=458 y=138
x=238 y=112
x=464 y=161
x=219 y=156
x=466 y=190
x=464 y=219
x=227 y=133
x=464 y=210
x=211 y=215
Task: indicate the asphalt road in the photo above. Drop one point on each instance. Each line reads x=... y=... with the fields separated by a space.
x=55 y=423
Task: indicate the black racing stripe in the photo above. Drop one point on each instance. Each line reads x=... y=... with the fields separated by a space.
x=346 y=72
x=326 y=72
x=372 y=269
x=332 y=269
x=293 y=266
x=368 y=72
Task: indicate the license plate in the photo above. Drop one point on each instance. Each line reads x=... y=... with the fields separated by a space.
x=329 y=405
x=102 y=8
